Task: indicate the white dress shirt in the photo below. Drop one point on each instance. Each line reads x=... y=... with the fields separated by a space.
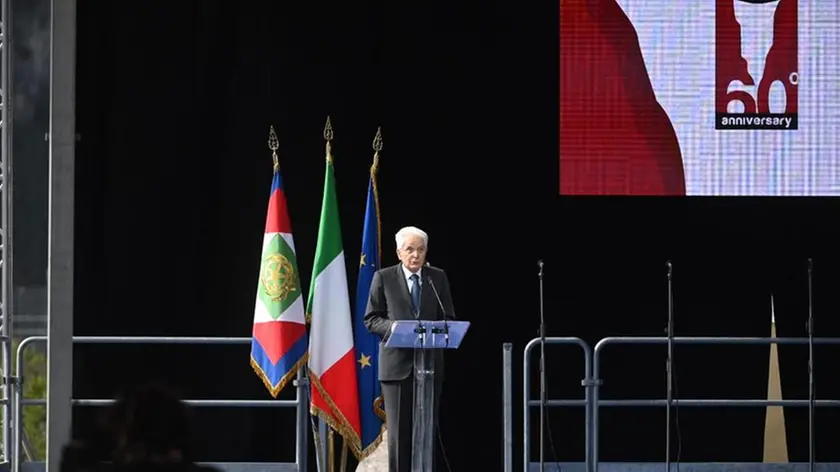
x=407 y=273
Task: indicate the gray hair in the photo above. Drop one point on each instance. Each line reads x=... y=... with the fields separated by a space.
x=410 y=230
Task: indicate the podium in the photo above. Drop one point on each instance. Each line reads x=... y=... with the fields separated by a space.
x=424 y=337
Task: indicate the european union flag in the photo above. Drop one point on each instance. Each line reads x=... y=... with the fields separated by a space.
x=371 y=408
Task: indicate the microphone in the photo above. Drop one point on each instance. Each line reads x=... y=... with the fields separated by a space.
x=440 y=304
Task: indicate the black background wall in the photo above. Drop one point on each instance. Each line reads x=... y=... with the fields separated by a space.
x=174 y=104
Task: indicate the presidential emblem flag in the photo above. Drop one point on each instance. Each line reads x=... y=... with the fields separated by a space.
x=371 y=408
x=332 y=358
x=279 y=342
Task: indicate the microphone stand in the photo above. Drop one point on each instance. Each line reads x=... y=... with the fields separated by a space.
x=421 y=329
x=811 y=396
x=442 y=310
x=669 y=373
x=542 y=372
x=446 y=340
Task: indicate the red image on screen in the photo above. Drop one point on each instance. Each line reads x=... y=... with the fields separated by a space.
x=780 y=67
x=615 y=137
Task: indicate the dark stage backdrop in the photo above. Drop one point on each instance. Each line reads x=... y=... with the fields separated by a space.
x=173 y=172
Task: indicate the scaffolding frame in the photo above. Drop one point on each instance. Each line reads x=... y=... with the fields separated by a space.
x=62 y=138
x=6 y=287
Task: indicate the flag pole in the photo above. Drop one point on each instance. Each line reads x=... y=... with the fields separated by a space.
x=370 y=397
x=319 y=444
x=334 y=378
x=321 y=432
x=328 y=137
x=374 y=168
x=269 y=298
x=377 y=146
x=302 y=379
x=331 y=449
x=344 y=449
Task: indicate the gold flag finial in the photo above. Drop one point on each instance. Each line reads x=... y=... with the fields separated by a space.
x=328 y=129
x=274 y=144
x=328 y=136
x=377 y=146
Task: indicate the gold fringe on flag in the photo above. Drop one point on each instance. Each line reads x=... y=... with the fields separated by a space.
x=290 y=375
x=334 y=417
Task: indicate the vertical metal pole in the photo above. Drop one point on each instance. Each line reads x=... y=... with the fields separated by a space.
x=526 y=409
x=322 y=444
x=669 y=368
x=588 y=383
x=507 y=404
x=595 y=402
x=811 y=396
x=543 y=386
x=6 y=119
x=17 y=396
x=302 y=438
x=62 y=137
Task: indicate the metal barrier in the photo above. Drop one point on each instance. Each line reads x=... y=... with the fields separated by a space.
x=528 y=403
x=300 y=402
x=597 y=403
x=592 y=382
x=507 y=406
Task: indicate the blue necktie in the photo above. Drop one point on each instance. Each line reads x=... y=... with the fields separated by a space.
x=415 y=293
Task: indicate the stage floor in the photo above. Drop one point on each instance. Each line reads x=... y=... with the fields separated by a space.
x=688 y=467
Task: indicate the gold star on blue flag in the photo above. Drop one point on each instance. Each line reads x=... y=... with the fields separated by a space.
x=364 y=361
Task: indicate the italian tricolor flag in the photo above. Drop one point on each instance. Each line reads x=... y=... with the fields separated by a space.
x=332 y=368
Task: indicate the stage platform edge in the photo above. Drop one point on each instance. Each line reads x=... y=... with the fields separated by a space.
x=689 y=467
x=222 y=466
x=549 y=467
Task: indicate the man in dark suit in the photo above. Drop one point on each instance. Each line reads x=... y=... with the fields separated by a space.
x=405 y=291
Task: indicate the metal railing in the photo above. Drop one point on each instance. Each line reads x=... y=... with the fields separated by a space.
x=300 y=402
x=26 y=325
x=507 y=405
x=592 y=383
x=528 y=403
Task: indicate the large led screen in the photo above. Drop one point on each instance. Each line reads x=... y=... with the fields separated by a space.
x=700 y=97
